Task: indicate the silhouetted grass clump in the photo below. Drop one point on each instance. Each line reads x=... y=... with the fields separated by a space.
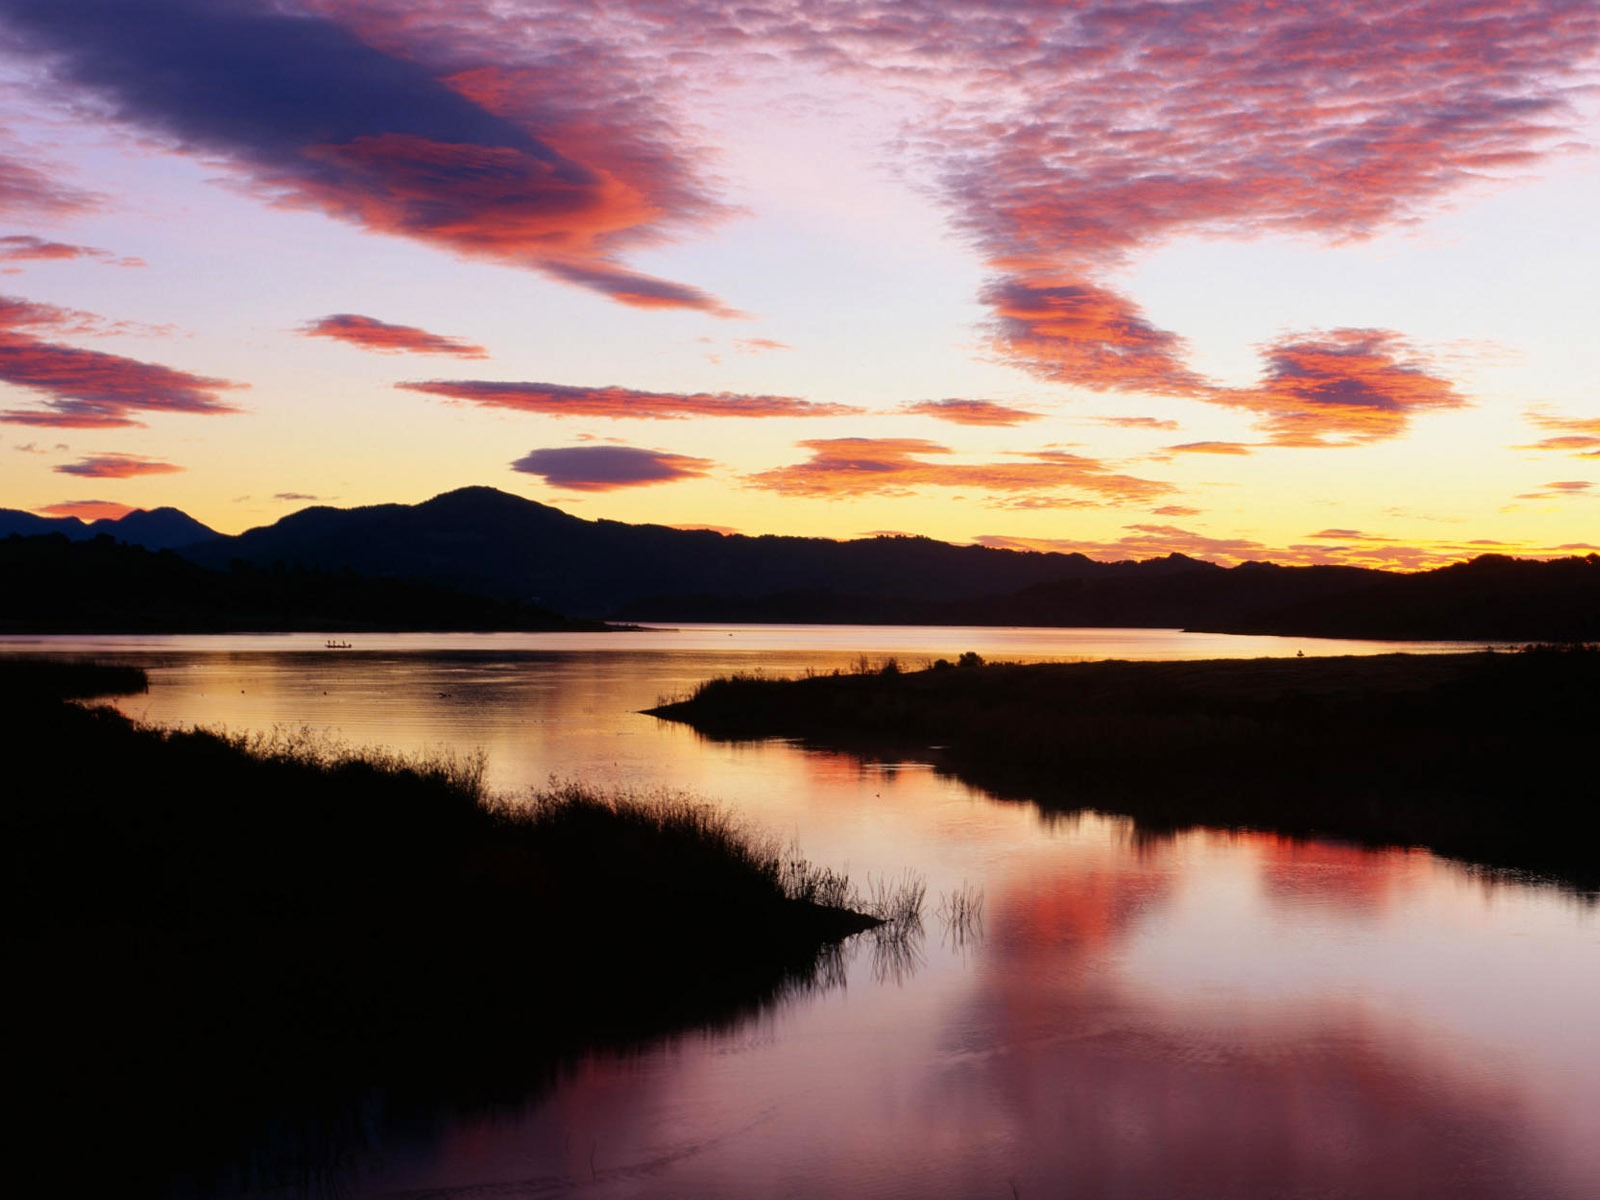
x=204 y=928
x=1474 y=755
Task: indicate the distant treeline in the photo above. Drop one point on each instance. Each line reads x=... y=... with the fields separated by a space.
x=55 y=585
x=1490 y=598
x=1480 y=756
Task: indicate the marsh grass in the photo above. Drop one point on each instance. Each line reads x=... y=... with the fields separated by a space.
x=960 y=915
x=254 y=917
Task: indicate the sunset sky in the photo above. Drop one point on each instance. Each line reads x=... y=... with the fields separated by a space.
x=1309 y=282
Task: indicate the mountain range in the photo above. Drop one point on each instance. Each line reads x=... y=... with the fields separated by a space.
x=488 y=543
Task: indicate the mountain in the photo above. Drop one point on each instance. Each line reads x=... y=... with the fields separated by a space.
x=488 y=542
x=154 y=529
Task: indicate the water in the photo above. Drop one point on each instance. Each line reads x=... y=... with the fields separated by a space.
x=1211 y=1015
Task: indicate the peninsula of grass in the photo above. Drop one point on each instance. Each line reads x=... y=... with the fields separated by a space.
x=1483 y=756
x=204 y=931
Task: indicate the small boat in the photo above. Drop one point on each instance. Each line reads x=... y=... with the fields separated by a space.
x=333 y=645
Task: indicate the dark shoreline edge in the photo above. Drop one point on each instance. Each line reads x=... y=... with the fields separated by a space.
x=1478 y=757
x=210 y=946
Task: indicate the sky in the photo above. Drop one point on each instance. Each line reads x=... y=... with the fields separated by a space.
x=1241 y=279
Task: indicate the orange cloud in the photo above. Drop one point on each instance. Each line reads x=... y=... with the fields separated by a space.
x=608 y=468
x=1135 y=423
x=563 y=400
x=1572 y=435
x=86 y=389
x=117 y=466
x=972 y=412
x=893 y=466
x=1208 y=448
x=88 y=510
x=369 y=333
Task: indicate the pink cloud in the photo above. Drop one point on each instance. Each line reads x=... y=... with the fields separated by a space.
x=759 y=345
x=117 y=466
x=972 y=412
x=28 y=248
x=893 y=466
x=1086 y=335
x=28 y=190
x=608 y=468
x=563 y=400
x=369 y=333
x=491 y=136
x=86 y=389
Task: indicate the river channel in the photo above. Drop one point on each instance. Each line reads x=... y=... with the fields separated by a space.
x=1209 y=1015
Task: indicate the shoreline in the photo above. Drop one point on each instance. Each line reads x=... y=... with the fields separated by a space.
x=1467 y=755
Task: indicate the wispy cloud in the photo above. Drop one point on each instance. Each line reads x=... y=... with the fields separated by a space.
x=972 y=412
x=1225 y=448
x=21 y=247
x=1563 y=489
x=117 y=466
x=87 y=389
x=608 y=468
x=369 y=333
x=564 y=400
x=894 y=466
x=30 y=190
x=1136 y=423
x=1569 y=435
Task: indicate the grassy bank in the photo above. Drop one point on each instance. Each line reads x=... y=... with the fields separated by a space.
x=205 y=931
x=1479 y=756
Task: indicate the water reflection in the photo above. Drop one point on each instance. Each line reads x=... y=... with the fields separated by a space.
x=1193 y=1014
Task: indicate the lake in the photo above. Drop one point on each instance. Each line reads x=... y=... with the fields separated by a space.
x=1208 y=1015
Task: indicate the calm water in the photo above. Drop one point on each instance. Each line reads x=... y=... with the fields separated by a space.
x=1210 y=1016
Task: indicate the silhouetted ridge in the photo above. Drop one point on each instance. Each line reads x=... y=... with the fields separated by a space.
x=488 y=542
x=155 y=529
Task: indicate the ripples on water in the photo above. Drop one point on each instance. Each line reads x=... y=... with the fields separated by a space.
x=1205 y=1015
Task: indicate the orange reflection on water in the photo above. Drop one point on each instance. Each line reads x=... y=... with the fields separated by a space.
x=1352 y=878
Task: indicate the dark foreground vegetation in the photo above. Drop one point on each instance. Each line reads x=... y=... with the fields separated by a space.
x=209 y=938
x=1486 y=757
x=56 y=585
